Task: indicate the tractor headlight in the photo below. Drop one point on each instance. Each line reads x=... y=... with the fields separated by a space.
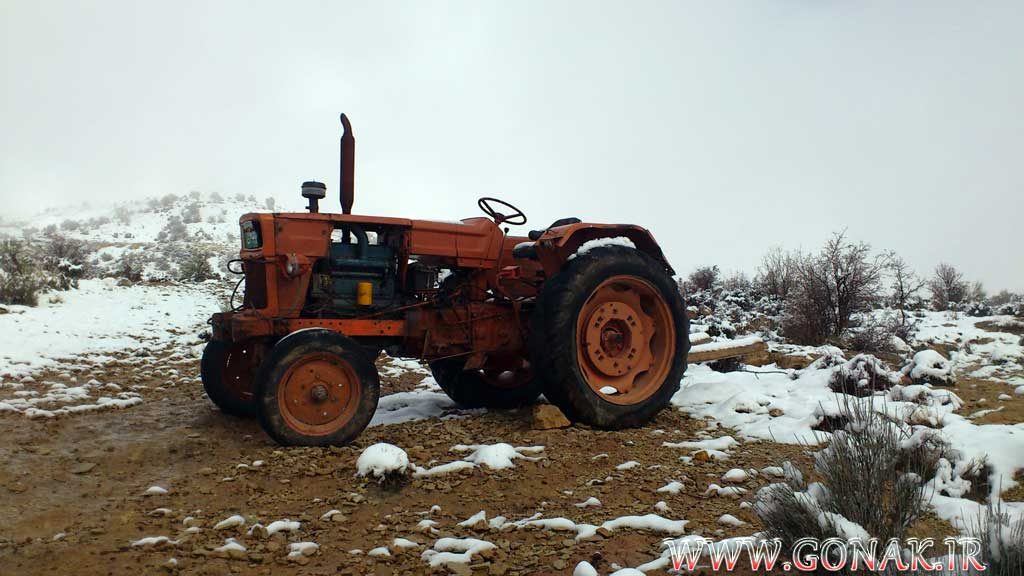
x=251 y=239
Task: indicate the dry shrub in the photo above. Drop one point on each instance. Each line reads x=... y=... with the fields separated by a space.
x=1002 y=541
x=872 y=473
x=20 y=277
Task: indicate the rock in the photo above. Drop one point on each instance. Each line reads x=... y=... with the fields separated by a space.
x=775 y=412
x=497 y=569
x=702 y=456
x=83 y=467
x=559 y=564
x=548 y=417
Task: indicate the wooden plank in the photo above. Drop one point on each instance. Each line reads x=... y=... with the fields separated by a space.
x=720 y=350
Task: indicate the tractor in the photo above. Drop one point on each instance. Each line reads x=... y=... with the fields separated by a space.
x=586 y=314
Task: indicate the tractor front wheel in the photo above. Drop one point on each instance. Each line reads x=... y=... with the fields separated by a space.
x=228 y=370
x=496 y=386
x=610 y=337
x=316 y=388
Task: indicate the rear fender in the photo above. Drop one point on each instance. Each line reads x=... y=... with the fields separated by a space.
x=558 y=244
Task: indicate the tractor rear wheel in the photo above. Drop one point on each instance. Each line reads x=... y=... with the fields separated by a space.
x=316 y=388
x=498 y=387
x=610 y=337
x=228 y=370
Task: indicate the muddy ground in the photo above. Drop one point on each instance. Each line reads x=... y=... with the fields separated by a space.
x=73 y=489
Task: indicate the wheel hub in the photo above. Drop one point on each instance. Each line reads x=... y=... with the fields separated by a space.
x=626 y=340
x=613 y=337
x=317 y=393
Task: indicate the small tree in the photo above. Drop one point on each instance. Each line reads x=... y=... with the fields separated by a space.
x=123 y=215
x=216 y=198
x=843 y=279
x=270 y=203
x=777 y=273
x=947 y=286
x=905 y=286
x=173 y=231
x=703 y=278
x=190 y=214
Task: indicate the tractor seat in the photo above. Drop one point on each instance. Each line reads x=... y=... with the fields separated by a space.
x=536 y=234
x=528 y=250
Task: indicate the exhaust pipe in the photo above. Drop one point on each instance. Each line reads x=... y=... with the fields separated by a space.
x=348 y=164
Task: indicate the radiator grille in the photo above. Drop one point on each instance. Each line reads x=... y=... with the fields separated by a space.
x=255 y=285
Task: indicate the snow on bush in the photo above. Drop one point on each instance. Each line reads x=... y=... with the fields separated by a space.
x=863 y=375
x=385 y=462
x=930 y=367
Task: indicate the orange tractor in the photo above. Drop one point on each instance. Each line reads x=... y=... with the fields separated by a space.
x=587 y=314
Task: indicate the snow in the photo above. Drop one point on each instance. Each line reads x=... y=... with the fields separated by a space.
x=584 y=568
x=474 y=521
x=730 y=520
x=330 y=514
x=447 y=551
x=495 y=456
x=735 y=475
x=627 y=465
x=152 y=541
x=609 y=390
x=929 y=365
x=230 y=545
x=230 y=522
x=98 y=318
x=726 y=344
x=404 y=544
x=672 y=487
x=379 y=552
x=297 y=549
x=648 y=522
x=155 y=491
x=589 y=502
x=382 y=459
x=600 y=242
x=282 y=526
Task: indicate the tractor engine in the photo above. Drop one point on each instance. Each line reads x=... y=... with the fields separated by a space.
x=357 y=276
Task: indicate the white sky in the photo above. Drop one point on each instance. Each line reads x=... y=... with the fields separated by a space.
x=724 y=127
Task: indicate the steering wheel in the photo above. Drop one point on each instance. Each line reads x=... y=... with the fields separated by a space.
x=515 y=218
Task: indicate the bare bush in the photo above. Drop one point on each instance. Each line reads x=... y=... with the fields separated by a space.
x=702 y=279
x=190 y=214
x=174 y=230
x=777 y=273
x=872 y=474
x=20 y=278
x=123 y=215
x=131 y=268
x=196 y=267
x=63 y=262
x=947 y=286
x=270 y=203
x=1002 y=541
x=905 y=287
x=843 y=279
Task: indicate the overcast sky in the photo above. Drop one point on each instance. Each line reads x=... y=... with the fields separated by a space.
x=723 y=127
